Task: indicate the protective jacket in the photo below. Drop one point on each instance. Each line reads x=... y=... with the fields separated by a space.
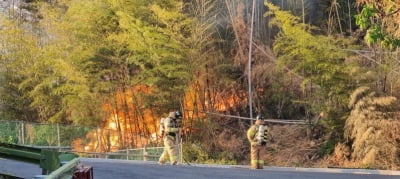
x=169 y=132
x=170 y=127
x=257 y=134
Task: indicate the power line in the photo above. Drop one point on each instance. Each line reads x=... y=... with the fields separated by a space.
x=279 y=121
x=361 y=53
x=368 y=51
x=266 y=120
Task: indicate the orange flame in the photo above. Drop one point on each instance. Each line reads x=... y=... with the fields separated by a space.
x=127 y=127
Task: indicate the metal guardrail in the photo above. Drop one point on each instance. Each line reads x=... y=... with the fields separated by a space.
x=145 y=154
x=58 y=148
x=110 y=155
x=27 y=154
x=48 y=159
x=66 y=171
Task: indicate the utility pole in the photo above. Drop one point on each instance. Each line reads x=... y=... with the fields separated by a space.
x=250 y=52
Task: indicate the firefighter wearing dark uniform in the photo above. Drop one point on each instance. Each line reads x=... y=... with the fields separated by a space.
x=257 y=136
x=169 y=130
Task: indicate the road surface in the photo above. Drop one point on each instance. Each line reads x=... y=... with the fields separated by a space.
x=19 y=169
x=123 y=169
x=106 y=169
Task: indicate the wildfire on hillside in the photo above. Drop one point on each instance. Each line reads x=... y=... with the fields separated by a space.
x=129 y=127
x=198 y=103
x=126 y=126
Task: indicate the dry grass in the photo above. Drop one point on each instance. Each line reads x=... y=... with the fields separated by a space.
x=376 y=146
x=371 y=132
x=292 y=147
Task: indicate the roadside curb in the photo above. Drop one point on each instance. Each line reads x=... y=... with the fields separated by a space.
x=337 y=170
x=270 y=168
x=320 y=170
x=83 y=160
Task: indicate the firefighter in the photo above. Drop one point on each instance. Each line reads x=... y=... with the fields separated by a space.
x=257 y=135
x=170 y=127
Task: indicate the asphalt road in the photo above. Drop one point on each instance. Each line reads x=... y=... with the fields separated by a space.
x=19 y=169
x=122 y=169
x=119 y=169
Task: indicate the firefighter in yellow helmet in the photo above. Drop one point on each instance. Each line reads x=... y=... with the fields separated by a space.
x=257 y=135
x=169 y=128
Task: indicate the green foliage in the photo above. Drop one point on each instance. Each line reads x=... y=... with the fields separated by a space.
x=45 y=135
x=319 y=59
x=88 y=51
x=374 y=34
x=379 y=19
x=18 y=51
x=281 y=91
x=40 y=134
x=213 y=151
x=8 y=133
x=195 y=153
x=327 y=147
x=363 y=19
